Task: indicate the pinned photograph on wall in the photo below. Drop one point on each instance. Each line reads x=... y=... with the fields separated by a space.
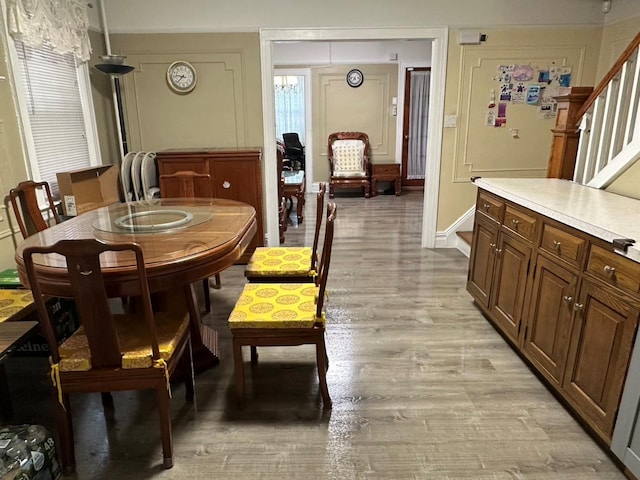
x=504 y=73
x=490 y=118
x=522 y=73
x=533 y=94
x=543 y=76
x=548 y=109
x=519 y=93
x=501 y=119
x=506 y=89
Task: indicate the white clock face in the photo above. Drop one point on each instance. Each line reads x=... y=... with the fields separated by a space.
x=355 y=78
x=181 y=77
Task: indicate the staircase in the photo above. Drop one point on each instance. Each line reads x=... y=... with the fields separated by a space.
x=609 y=125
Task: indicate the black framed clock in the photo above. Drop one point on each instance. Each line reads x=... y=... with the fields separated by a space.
x=355 y=78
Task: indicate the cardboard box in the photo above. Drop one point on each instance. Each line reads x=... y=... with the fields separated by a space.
x=34 y=453
x=89 y=188
x=65 y=322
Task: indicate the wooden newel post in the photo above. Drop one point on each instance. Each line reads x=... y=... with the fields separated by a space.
x=566 y=134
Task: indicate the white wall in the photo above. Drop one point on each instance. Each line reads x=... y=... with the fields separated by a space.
x=143 y=16
x=331 y=53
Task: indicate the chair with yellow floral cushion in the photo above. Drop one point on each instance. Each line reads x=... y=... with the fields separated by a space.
x=288 y=264
x=128 y=351
x=284 y=314
x=349 y=161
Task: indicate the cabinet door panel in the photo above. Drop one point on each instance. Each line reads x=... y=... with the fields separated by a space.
x=485 y=233
x=601 y=339
x=512 y=264
x=549 y=321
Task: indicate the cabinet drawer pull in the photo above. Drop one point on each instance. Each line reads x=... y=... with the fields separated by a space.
x=609 y=270
x=557 y=245
x=515 y=223
x=226 y=184
x=567 y=299
x=486 y=206
x=492 y=245
x=498 y=250
x=578 y=307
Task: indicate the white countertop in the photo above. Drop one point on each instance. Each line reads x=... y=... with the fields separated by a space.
x=599 y=213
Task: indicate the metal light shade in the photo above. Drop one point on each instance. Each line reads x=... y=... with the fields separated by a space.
x=114 y=65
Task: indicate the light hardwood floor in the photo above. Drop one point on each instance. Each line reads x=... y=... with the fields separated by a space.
x=422 y=385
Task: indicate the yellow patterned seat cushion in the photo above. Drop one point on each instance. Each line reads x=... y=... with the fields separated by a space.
x=13 y=302
x=280 y=262
x=286 y=305
x=134 y=344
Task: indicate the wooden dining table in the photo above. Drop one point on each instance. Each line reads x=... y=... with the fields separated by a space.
x=184 y=240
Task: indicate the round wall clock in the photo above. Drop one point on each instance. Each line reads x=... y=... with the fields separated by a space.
x=181 y=77
x=355 y=78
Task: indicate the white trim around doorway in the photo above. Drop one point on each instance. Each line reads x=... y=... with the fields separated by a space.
x=439 y=36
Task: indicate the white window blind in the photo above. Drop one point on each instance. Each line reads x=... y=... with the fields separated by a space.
x=54 y=111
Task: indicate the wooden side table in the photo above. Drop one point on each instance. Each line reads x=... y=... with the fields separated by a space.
x=294 y=187
x=386 y=172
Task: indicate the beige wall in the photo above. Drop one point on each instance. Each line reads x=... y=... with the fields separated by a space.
x=12 y=164
x=225 y=108
x=473 y=149
x=338 y=107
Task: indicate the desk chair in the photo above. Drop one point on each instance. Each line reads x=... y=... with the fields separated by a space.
x=132 y=351
x=284 y=314
x=293 y=150
x=349 y=161
x=188 y=184
x=24 y=201
x=288 y=264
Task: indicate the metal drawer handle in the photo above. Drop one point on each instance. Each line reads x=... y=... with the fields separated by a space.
x=515 y=222
x=557 y=245
x=486 y=206
x=567 y=299
x=498 y=250
x=578 y=307
x=492 y=245
x=226 y=184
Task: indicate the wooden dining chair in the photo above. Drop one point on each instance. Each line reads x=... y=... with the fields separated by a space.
x=288 y=264
x=24 y=200
x=284 y=314
x=130 y=351
x=189 y=184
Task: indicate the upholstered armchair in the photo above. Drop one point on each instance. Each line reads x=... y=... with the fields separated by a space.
x=349 y=161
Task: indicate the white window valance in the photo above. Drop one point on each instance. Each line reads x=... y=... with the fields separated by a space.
x=62 y=24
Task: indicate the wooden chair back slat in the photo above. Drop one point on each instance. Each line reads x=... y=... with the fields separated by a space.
x=325 y=259
x=26 y=209
x=316 y=234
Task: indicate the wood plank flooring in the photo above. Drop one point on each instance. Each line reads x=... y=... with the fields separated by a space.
x=422 y=386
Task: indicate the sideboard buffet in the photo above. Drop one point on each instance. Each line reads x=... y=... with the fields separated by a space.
x=231 y=173
x=555 y=267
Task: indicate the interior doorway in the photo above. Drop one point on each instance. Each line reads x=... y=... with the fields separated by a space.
x=439 y=37
x=415 y=125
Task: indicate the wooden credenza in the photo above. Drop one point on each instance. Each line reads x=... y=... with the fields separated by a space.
x=233 y=173
x=564 y=298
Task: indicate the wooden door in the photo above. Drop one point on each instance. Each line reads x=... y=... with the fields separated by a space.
x=546 y=339
x=510 y=278
x=406 y=126
x=603 y=331
x=481 y=263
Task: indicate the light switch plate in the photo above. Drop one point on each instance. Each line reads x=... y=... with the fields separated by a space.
x=450 y=121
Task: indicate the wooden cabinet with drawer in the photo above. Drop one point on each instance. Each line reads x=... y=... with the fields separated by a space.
x=563 y=298
x=500 y=260
x=235 y=174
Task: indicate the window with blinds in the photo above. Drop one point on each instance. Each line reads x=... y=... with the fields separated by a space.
x=53 y=116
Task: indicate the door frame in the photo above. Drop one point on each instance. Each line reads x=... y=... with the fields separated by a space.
x=406 y=120
x=439 y=45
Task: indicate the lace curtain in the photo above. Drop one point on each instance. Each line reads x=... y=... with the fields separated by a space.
x=289 y=105
x=62 y=24
x=419 y=112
